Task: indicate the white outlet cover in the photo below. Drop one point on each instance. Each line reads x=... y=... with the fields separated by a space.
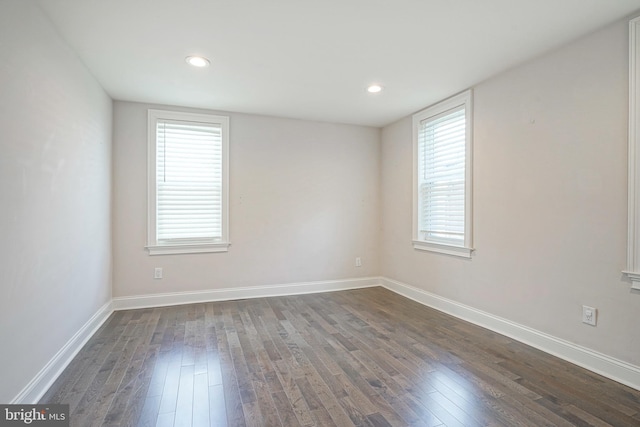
x=589 y=315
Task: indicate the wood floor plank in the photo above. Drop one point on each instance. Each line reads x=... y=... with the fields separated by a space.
x=217 y=408
x=365 y=357
x=584 y=418
x=149 y=415
x=81 y=363
x=166 y=420
x=233 y=401
x=200 y=412
x=171 y=383
x=286 y=412
x=184 y=400
x=84 y=378
x=299 y=404
x=558 y=391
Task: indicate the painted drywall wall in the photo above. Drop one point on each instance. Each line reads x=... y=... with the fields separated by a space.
x=55 y=172
x=304 y=203
x=550 y=201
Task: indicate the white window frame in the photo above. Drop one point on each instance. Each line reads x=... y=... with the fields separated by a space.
x=633 y=227
x=422 y=242
x=158 y=248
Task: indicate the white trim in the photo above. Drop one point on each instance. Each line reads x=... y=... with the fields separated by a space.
x=443 y=248
x=226 y=294
x=635 y=279
x=187 y=249
x=633 y=218
x=39 y=385
x=617 y=370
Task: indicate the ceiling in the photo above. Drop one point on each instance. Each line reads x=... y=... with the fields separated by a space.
x=314 y=59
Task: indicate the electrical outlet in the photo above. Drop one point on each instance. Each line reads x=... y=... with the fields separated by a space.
x=589 y=315
x=157 y=273
x=358 y=262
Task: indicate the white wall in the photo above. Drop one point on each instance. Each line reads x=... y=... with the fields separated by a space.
x=550 y=141
x=55 y=252
x=304 y=202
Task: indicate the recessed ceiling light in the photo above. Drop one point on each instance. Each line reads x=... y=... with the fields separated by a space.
x=375 y=88
x=197 y=61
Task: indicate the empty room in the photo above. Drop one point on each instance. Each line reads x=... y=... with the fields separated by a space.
x=337 y=213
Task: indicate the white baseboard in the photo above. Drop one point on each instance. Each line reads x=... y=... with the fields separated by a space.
x=602 y=364
x=599 y=363
x=39 y=385
x=226 y=294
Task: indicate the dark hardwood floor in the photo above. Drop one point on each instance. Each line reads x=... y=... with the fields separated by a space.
x=364 y=357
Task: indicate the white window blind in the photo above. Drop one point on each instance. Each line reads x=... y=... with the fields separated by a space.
x=441 y=176
x=188 y=182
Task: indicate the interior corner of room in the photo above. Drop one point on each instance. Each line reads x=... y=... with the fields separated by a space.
x=318 y=206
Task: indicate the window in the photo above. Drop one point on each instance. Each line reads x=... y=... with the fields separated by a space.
x=633 y=237
x=442 y=177
x=188 y=171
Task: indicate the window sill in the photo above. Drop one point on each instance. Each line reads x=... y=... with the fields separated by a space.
x=459 y=251
x=635 y=279
x=188 y=249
